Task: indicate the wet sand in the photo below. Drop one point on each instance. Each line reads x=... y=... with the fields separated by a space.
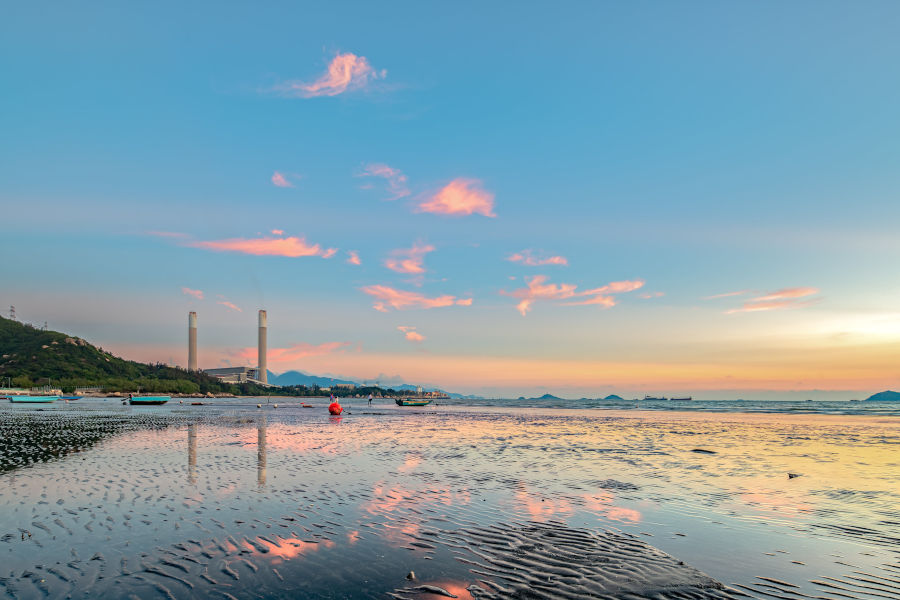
x=232 y=501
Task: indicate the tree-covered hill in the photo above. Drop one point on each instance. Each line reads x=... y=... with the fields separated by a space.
x=32 y=357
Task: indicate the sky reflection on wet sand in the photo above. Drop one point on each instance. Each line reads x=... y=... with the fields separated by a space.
x=278 y=503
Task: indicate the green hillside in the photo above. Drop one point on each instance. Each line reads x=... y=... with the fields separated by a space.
x=31 y=357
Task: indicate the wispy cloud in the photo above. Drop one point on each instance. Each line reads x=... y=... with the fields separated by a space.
x=281 y=180
x=409 y=260
x=411 y=333
x=786 y=298
x=227 y=304
x=292 y=353
x=537 y=289
x=291 y=246
x=528 y=258
x=649 y=295
x=460 y=197
x=788 y=294
x=402 y=300
x=277 y=232
x=346 y=72
x=396 y=180
x=198 y=294
x=353 y=258
x=726 y=295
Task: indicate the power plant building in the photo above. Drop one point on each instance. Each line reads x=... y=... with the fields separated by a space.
x=235 y=375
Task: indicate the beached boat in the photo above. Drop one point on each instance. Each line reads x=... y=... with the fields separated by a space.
x=412 y=401
x=148 y=400
x=33 y=399
x=67 y=398
x=685 y=399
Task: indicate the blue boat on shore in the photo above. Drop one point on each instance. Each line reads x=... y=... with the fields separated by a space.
x=412 y=401
x=148 y=400
x=33 y=399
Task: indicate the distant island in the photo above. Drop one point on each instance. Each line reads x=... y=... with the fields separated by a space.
x=887 y=396
x=547 y=397
x=614 y=397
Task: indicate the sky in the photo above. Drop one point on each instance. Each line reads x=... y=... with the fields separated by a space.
x=583 y=198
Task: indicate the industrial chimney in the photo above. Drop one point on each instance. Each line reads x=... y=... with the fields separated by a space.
x=263 y=374
x=192 y=341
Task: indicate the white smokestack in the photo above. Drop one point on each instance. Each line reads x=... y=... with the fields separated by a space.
x=192 y=341
x=263 y=374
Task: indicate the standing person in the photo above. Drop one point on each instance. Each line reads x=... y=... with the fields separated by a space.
x=370 y=399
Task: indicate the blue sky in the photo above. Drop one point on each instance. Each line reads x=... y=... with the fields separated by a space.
x=698 y=148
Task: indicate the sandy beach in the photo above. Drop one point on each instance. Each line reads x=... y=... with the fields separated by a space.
x=232 y=501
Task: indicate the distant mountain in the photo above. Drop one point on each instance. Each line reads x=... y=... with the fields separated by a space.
x=887 y=396
x=300 y=378
x=614 y=397
x=547 y=397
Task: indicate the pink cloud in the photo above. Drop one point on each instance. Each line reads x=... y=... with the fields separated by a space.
x=788 y=294
x=649 y=295
x=787 y=298
x=537 y=289
x=198 y=294
x=527 y=258
x=230 y=305
x=292 y=353
x=401 y=300
x=346 y=72
x=409 y=260
x=460 y=197
x=279 y=180
x=277 y=232
x=411 y=334
x=292 y=247
x=353 y=258
x=395 y=179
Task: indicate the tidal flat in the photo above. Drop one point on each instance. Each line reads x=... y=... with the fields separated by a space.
x=227 y=500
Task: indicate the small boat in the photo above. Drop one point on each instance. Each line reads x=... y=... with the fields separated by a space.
x=412 y=401
x=69 y=398
x=33 y=399
x=148 y=400
x=685 y=399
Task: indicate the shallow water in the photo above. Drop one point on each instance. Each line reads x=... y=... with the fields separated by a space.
x=228 y=500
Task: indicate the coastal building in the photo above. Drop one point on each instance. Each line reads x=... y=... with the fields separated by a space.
x=235 y=375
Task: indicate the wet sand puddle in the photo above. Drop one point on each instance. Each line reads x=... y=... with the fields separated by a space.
x=240 y=502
